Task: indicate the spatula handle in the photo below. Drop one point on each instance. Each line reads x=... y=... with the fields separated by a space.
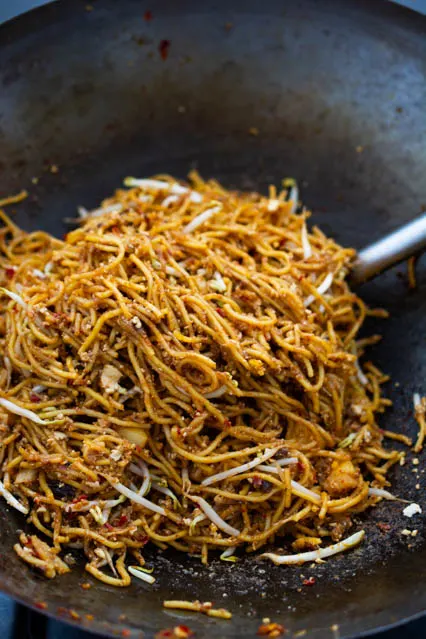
x=406 y=241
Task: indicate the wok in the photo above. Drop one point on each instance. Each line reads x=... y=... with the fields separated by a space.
x=334 y=95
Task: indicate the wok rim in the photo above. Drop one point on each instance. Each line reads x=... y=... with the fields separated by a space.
x=18 y=28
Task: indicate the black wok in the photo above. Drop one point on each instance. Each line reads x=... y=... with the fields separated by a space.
x=336 y=91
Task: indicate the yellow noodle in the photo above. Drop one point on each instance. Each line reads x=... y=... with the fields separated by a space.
x=185 y=354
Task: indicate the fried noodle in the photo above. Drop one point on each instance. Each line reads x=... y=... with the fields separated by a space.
x=183 y=369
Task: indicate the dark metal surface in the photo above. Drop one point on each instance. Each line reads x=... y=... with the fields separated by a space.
x=337 y=93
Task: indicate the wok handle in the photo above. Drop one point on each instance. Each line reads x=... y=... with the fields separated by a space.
x=390 y=250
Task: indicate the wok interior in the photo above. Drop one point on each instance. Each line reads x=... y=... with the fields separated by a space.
x=332 y=98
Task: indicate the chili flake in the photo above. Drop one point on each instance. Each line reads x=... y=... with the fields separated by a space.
x=309 y=582
x=163 y=48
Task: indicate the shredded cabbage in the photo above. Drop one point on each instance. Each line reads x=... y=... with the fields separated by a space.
x=322 y=288
x=216 y=393
x=15 y=297
x=313 y=555
x=24 y=412
x=214 y=517
x=134 y=496
x=228 y=555
x=137 y=572
x=201 y=218
x=307 y=249
x=11 y=500
x=306 y=493
x=269 y=452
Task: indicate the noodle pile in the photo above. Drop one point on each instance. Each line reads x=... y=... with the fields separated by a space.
x=182 y=369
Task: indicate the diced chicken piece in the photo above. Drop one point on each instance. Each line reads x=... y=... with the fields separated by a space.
x=342 y=479
x=109 y=379
x=136 y=436
x=39 y=555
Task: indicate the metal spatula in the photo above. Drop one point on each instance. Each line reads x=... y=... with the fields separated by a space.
x=403 y=243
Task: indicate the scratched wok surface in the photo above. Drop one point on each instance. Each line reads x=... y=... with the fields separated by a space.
x=336 y=92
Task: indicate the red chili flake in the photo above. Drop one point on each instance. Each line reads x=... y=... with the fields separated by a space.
x=163 y=48
x=116 y=230
x=227 y=423
x=77 y=499
x=163 y=634
x=41 y=605
x=147 y=15
x=220 y=311
x=309 y=582
x=383 y=527
x=123 y=520
x=108 y=526
x=35 y=398
x=125 y=633
x=138 y=449
x=300 y=466
x=10 y=272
